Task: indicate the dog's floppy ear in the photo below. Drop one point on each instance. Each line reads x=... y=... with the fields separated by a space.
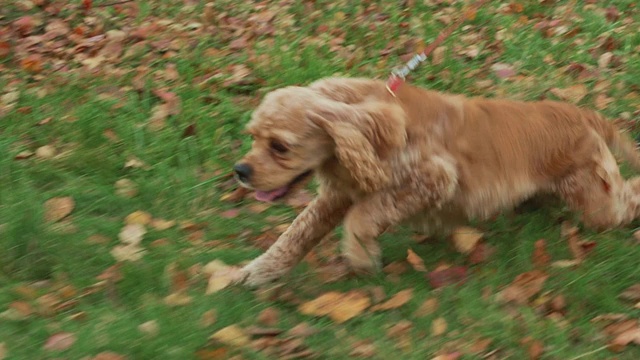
x=364 y=135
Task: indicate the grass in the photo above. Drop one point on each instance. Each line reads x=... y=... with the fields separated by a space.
x=186 y=177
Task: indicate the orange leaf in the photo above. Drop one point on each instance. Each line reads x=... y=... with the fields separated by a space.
x=415 y=261
x=32 y=63
x=399 y=299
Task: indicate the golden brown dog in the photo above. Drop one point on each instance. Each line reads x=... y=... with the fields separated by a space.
x=423 y=157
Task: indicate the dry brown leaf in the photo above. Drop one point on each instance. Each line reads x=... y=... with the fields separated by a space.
x=231 y=335
x=58 y=208
x=351 y=305
x=108 y=355
x=632 y=293
x=571 y=234
x=268 y=316
x=523 y=287
x=428 y=307
x=540 y=257
x=438 y=326
x=465 y=239
x=363 y=349
x=536 y=348
x=340 y=307
x=415 y=261
x=60 y=341
x=24 y=155
x=399 y=299
x=177 y=299
x=573 y=94
x=208 y=318
x=162 y=224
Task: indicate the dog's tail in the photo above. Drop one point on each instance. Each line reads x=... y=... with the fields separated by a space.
x=618 y=140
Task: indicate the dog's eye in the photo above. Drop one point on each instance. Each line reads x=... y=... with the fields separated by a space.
x=278 y=147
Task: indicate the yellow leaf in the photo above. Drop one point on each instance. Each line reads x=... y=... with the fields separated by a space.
x=438 y=326
x=231 y=335
x=351 y=305
x=138 y=217
x=465 y=239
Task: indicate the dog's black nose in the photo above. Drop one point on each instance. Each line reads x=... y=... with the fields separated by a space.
x=243 y=171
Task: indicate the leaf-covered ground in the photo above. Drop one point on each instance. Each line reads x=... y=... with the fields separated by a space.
x=120 y=121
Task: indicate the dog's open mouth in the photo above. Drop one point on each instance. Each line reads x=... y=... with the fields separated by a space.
x=269 y=196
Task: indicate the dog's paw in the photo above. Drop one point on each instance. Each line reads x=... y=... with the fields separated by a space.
x=364 y=265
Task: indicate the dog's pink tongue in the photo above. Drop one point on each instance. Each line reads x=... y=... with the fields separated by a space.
x=271 y=195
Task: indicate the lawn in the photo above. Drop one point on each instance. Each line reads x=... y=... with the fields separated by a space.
x=119 y=125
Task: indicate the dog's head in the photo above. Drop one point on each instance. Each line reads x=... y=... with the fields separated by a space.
x=296 y=130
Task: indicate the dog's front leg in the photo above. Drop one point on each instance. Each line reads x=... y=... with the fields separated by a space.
x=306 y=231
x=430 y=184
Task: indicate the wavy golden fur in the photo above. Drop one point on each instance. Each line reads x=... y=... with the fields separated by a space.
x=427 y=158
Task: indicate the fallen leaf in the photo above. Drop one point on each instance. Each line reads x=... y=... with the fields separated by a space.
x=162 y=224
x=563 y=264
x=465 y=238
x=5 y=49
x=415 y=261
x=632 y=293
x=447 y=276
x=571 y=234
x=177 y=299
x=32 y=63
x=208 y=318
x=540 y=257
x=223 y=278
x=126 y=188
x=351 y=305
x=523 y=287
x=108 y=355
x=58 y=208
x=268 y=316
x=138 y=217
x=127 y=252
x=340 y=307
x=231 y=335
x=45 y=152
x=536 y=348
x=573 y=94
x=481 y=253
x=438 y=326
x=60 y=341
x=363 y=349
x=24 y=155
x=230 y=214
x=159 y=115
x=149 y=328
x=132 y=234
x=396 y=301
x=503 y=71
x=428 y=307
